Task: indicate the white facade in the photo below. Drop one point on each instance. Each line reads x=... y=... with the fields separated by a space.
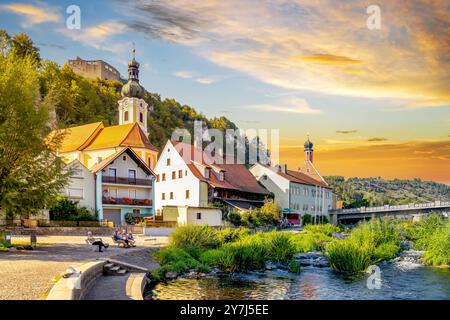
x=301 y=198
x=133 y=110
x=175 y=184
x=81 y=186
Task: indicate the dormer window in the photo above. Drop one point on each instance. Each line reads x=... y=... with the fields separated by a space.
x=207 y=173
x=125 y=116
x=222 y=175
x=141 y=117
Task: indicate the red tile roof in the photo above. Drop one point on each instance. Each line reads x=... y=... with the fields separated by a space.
x=298 y=177
x=237 y=176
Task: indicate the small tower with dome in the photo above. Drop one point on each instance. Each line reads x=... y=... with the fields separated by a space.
x=132 y=107
x=308 y=150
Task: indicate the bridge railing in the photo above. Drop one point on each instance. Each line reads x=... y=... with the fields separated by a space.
x=435 y=204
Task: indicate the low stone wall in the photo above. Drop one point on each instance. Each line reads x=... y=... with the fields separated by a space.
x=158 y=232
x=78 y=285
x=64 y=231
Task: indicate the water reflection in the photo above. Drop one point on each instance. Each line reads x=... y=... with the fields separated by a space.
x=312 y=283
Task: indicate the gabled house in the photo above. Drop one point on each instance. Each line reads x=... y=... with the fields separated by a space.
x=297 y=192
x=186 y=176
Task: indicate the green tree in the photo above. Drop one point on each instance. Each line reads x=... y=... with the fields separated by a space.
x=30 y=174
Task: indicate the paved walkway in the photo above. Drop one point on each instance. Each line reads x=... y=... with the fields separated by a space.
x=109 y=288
x=29 y=275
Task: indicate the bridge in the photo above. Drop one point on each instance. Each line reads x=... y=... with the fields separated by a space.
x=407 y=211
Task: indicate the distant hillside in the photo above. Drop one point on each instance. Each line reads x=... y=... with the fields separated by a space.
x=357 y=192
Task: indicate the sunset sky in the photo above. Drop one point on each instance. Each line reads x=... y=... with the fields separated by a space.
x=375 y=102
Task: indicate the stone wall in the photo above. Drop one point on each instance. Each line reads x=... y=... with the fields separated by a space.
x=65 y=231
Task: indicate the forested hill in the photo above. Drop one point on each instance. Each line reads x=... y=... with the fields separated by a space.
x=77 y=100
x=357 y=192
x=74 y=100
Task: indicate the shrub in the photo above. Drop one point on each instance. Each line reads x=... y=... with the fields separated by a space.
x=294 y=266
x=175 y=260
x=278 y=246
x=306 y=219
x=327 y=229
x=235 y=218
x=194 y=238
x=68 y=210
x=385 y=251
x=241 y=255
x=349 y=255
x=438 y=247
x=210 y=257
x=230 y=235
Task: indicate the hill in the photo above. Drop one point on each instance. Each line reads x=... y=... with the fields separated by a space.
x=357 y=192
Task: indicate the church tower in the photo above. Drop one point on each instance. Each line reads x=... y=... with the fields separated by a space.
x=132 y=107
x=308 y=150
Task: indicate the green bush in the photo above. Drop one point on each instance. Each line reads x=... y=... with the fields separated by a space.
x=438 y=247
x=175 y=260
x=294 y=266
x=230 y=235
x=306 y=219
x=194 y=238
x=278 y=246
x=68 y=210
x=210 y=257
x=327 y=229
x=242 y=255
x=349 y=255
x=234 y=217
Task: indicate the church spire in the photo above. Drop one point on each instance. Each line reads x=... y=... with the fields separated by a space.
x=308 y=149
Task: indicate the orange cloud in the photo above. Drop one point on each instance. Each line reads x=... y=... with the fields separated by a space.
x=33 y=14
x=329 y=58
x=425 y=160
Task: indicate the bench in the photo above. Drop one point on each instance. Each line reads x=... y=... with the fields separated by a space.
x=120 y=243
x=95 y=247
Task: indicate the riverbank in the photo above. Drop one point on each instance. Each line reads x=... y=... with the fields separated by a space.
x=197 y=250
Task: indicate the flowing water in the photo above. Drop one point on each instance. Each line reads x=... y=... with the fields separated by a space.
x=402 y=278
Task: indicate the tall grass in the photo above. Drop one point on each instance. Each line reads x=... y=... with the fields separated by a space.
x=438 y=247
x=369 y=243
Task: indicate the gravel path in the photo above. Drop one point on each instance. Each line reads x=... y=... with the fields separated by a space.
x=29 y=275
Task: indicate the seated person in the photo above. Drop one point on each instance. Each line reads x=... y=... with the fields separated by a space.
x=118 y=237
x=131 y=239
x=96 y=242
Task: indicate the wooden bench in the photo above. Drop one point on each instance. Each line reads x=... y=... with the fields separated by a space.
x=120 y=243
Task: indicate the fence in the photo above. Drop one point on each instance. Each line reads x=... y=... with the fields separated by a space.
x=68 y=224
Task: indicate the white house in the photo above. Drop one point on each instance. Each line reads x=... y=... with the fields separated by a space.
x=297 y=192
x=186 y=177
x=81 y=186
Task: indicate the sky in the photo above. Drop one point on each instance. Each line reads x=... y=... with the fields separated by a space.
x=376 y=102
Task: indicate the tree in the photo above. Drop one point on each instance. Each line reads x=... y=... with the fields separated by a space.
x=30 y=173
x=23 y=46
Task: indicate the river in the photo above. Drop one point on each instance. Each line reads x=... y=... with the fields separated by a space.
x=402 y=278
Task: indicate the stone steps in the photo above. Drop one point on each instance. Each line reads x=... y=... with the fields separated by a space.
x=111 y=269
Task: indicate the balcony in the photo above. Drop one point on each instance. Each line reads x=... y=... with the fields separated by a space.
x=127 y=181
x=127 y=201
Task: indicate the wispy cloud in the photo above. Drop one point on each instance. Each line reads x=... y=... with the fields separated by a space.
x=99 y=35
x=184 y=74
x=33 y=14
x=292 y=105
x=376 y=139
x=318 y=46
x=346 y=131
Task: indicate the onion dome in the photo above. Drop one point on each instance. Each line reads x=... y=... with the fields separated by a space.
x=308 y=144
x=132 y=89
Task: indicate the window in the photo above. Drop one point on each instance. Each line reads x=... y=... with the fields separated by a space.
x=75 y=193
x=141 y=117
x=163 y=177
x=77 y=173
x=185 y=173
x=131 y=174
x=157 y=178
x=207 y=172
x=125 y=116
x=168 y=162
x=112 y=172
x=171 y=195
x=163 y=196
x=180 y=174
x=149 y=161
x=187 y=194
x=136 y=212
x=132 y=194
x=112 y=192
x=174 y=175
x=221 y=175
x=199 y=216
x=124 y=158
